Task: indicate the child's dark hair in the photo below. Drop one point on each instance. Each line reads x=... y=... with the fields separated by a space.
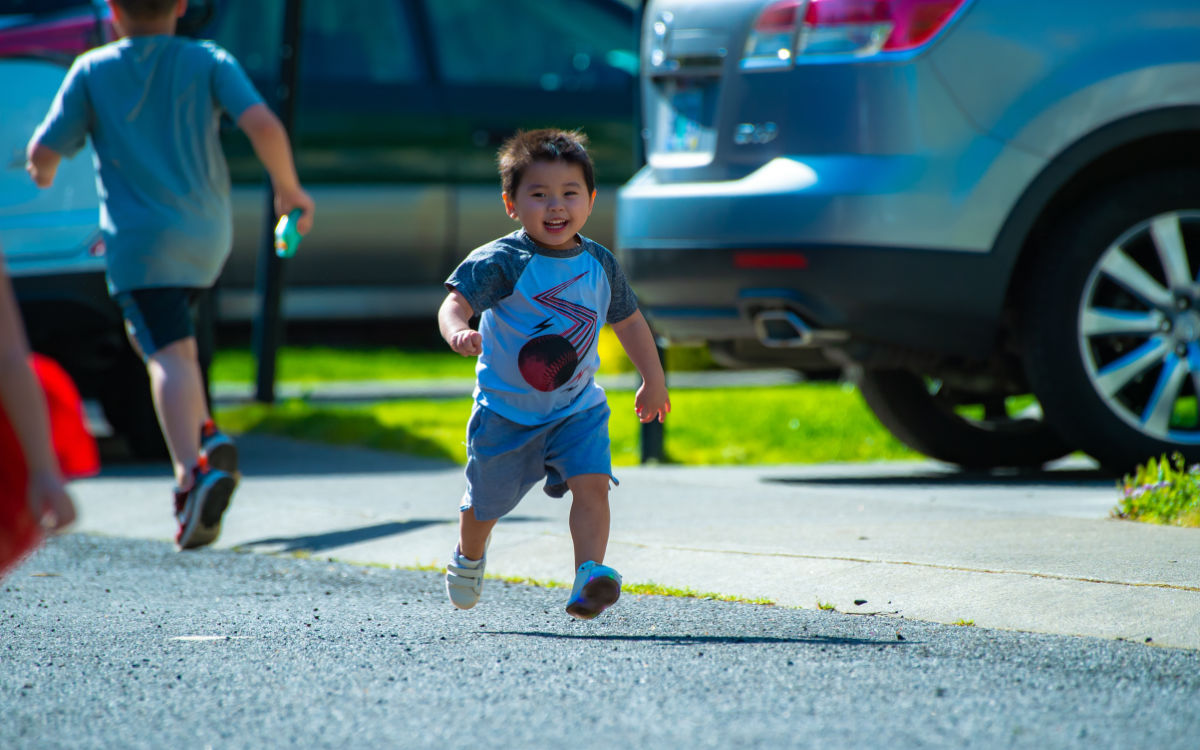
x=143 y=10
x=547 y=144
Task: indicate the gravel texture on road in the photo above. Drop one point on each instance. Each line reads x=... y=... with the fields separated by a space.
x=117 y=643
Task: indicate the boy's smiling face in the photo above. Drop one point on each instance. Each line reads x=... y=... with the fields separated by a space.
x=551 y=202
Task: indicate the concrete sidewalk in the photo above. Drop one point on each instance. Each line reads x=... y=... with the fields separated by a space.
x=911 y=540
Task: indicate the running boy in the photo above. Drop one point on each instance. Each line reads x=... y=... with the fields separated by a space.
x=151 y=103
x=543 y=293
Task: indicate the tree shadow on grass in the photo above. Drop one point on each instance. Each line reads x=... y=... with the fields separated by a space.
x=348 y=429
x=266 y=455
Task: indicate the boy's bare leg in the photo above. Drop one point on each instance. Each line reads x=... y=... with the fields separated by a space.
x=473 y=534
x=177 y=388
x=589 y=516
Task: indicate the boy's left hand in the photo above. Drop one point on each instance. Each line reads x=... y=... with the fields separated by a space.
x=651 y=403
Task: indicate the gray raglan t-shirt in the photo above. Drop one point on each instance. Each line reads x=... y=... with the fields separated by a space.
x=540 y=315
x=152 y=108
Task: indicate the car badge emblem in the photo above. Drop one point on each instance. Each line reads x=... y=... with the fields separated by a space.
x=747 y=133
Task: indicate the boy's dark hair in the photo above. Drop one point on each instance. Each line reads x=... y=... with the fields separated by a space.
x=547 y=144
x=144 y=10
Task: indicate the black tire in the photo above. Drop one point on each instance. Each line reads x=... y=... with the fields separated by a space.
x=923 y=416
x=125 y=397
x=1104 y=326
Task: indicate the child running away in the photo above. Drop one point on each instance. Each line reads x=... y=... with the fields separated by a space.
x=151 y=104
x=542 y=294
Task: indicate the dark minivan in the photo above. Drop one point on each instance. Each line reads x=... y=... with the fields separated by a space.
x=399 y=109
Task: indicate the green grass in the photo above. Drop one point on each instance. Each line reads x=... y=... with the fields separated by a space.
x=315 y=364
x=806 y=423
x=1163 y=492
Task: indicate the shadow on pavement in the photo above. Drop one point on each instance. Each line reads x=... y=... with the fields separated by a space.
x=344 y=538
x=702 y=640
x=1082 y=477
x=334 y=539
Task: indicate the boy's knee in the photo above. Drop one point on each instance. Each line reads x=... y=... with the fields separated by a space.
x=589 y=487
x=181 y=349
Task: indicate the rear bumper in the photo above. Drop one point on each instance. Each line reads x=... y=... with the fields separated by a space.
x=865 y=249
x=918 y=299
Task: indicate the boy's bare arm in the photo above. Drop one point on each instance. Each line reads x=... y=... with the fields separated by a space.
x=270 y=141
x=41 y=162
x=454 y=321
x=652 y=401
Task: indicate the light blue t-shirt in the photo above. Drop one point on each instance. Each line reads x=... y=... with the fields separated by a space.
x=152 y=107
x=540 y=316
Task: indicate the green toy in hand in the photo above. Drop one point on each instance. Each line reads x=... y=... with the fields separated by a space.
x=287 y=233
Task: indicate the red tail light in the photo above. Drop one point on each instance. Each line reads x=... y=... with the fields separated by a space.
x=851 y=28
x=61 y=37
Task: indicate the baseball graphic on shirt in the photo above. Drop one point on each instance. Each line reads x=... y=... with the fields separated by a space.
x=547 y=362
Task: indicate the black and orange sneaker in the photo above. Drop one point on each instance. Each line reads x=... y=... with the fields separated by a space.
x=199 y=508
x=219 y=449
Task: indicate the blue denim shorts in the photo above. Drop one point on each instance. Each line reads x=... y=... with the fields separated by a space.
x=506 y=459
x=158 y=317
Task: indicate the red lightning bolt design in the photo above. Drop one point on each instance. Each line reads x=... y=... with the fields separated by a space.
x=583 y=333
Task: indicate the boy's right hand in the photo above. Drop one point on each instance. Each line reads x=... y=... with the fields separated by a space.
x=286 y=200
x=467 y=342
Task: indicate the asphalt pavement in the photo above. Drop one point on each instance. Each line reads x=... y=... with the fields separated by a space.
x=911 y=541
x=125 y=643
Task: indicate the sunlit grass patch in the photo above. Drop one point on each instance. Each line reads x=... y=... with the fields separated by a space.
x=656 y=589
x=1161 y=491
x=318 y=364
x=805 y=423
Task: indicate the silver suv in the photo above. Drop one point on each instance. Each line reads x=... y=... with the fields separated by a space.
x=988 y=209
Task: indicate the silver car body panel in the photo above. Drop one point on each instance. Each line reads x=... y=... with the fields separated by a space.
x=43 y=230
x=930 y=151
x=1042 y=75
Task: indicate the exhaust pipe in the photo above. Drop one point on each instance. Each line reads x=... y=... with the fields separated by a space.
x=780 y=329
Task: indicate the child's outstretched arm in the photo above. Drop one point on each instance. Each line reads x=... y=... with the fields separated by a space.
x=652 y=400
x=270 y=142
x=25 y=407
x=41 y=162
x=454 y=321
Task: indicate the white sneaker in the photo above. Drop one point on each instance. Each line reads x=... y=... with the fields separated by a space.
x=464 y=580
x=597 y=587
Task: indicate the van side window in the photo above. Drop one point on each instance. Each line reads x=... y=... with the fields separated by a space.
x=569 y=45
x=352 y=41
x=365 y=41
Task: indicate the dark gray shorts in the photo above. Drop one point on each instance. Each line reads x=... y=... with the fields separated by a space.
x=505 y=459
x=159 y=316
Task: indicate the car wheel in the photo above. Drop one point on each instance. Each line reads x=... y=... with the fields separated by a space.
x=975 y=431
x=125 y=397
x=1111 y=323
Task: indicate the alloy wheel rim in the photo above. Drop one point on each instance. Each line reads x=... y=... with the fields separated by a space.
x=1138 y=327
